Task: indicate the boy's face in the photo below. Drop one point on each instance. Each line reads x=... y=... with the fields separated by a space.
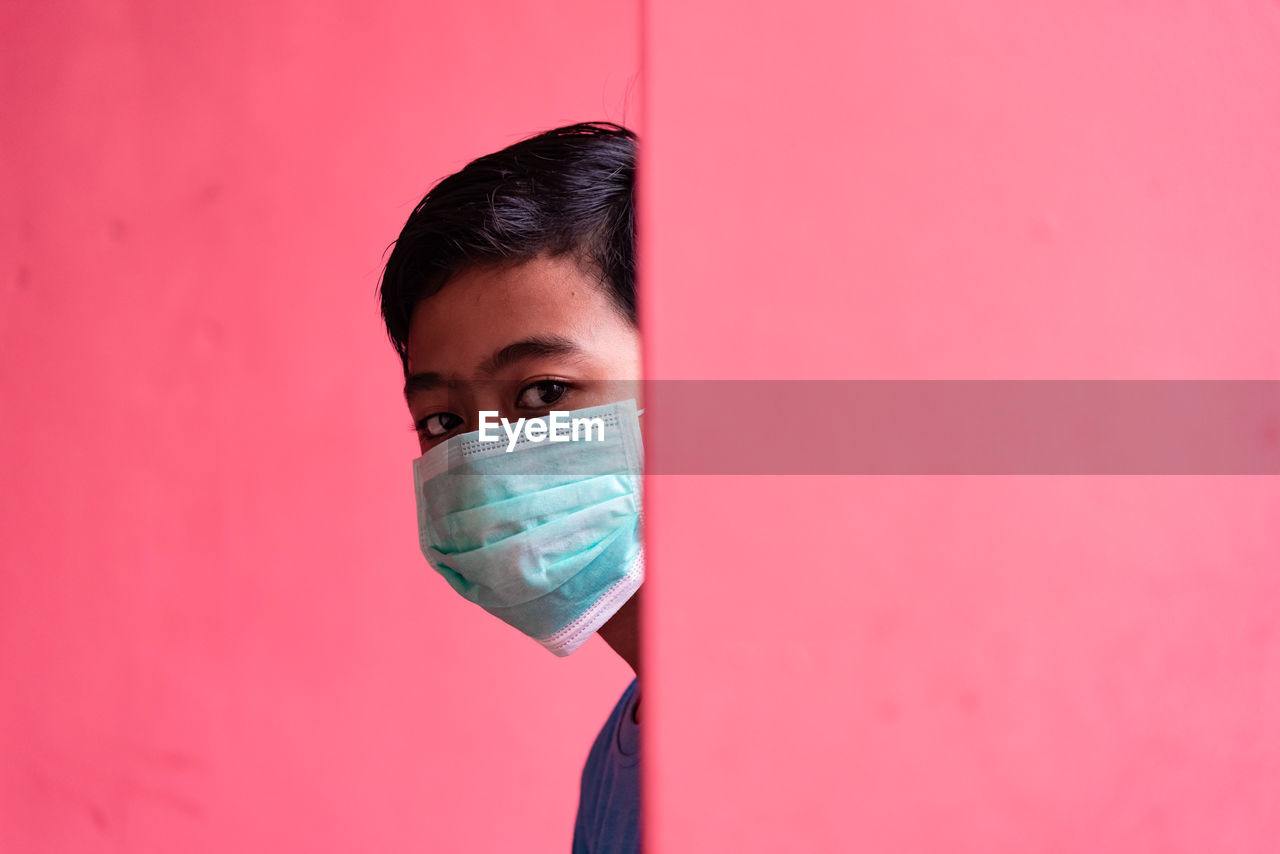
x=521 y=340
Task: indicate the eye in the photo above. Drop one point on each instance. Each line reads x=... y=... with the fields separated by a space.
x=436 y=425
x=541 y=394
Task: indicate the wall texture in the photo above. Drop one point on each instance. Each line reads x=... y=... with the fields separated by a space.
x=216 y=631
x=980 y=190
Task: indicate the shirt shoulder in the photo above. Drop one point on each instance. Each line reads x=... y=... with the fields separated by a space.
x=608 y=820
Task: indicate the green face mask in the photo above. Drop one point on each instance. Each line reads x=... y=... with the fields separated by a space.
x=543 y=533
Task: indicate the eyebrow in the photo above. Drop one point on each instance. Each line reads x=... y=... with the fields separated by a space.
x=534 y=347
x=415 y=383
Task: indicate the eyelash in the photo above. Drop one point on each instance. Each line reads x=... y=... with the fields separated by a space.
x=418 y=427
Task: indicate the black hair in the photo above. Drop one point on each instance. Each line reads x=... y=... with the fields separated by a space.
x=571 y=190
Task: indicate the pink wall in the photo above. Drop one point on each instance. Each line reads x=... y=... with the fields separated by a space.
x=959 y=191
x=216 y=631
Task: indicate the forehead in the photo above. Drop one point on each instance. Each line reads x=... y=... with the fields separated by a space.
x=485 y=308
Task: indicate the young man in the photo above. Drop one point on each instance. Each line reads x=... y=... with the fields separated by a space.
x=510 y=294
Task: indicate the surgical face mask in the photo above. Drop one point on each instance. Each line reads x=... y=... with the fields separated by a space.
x=543 y=534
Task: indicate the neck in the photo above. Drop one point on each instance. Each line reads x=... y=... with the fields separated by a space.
x=622 y=633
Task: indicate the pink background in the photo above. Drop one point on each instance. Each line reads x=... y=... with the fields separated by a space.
x=962 y=191
x=216 y=631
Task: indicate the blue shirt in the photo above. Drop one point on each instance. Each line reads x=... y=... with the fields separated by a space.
x=609 y=803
